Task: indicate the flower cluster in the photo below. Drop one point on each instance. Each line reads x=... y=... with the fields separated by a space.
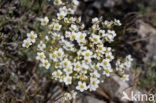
x=69 y=95
x=123 y=66
x=78 y=57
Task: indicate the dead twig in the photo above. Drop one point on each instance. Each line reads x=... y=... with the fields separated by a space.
x=102 y=93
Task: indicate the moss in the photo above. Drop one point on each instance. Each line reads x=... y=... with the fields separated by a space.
x=148 y=79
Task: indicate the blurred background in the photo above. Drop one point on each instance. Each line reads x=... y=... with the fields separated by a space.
x=22 y=82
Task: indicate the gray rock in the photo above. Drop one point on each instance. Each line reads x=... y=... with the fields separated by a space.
x=148 y=33
x=90 y=99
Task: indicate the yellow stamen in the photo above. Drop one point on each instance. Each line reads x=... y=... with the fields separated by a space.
x=41 y=56
x=65 y=63
x=77 y=66
x=93 y=82
x=107 y=70
x=27 y=43
x=95 y=39
x=124 y=77
x=61 y=16
x=68 y=79
x=100 y=48
x=81 y=37
x=57 y=27
x=69 y=69
x=59 y=53
x=45 y=22
x=105 y=63
x=53 y=55
x=32 y=37
x=46 y=63
x=58 y=74
x=94 y=76
x=73 y=36
x=81 y=86
x=87 y=54
x=83 y=68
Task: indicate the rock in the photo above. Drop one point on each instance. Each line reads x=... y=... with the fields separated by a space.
x=90 y=99
x=116 y=87
x=148 y=33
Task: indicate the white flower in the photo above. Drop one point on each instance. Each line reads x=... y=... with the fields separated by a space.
x=95 y=20
x=40 y=56
x=93 y=84
x=111 y=32
x=96 y=38
x=60 y=53
x=102 y=32
x=63 y=9
x=129 y=58
x=66 y=20
x=84 y=68
x=107 y=24
x=95 y=74
x=126 y=65
x=117 y=22
x=119 y=66
x=53 y=56
x=41 y=46
x=109 y=56
x=105 y=62
x=73 y=94
x=45 y=63
x=72 y=19
x=67 y=96
x=107 y=49
x=109 y=38
x=61 y=79
x=101 y=49
x=73 y=36
x=125 y=77
x=73 y=27
x=57 y=2
x=83 y=48
x=81 y=37
x=70 y=11
x=68 y=70
x=57 y=27
x=81 y=86
x=75 y=2
x=68 y=46
x=79 y=20
x=98 y=55
x=87 y=61
x=51 y=26
x=97 y=66
x=57 y=74
x=26 y=43
x=95 y=27
x=46 y=38
x=107 y=71
x=61 y=15
x=32 y=36
x=44 y=21
x=87 y=54
x=68 y=34
x=55 y=21
x=77 y=66
x=55 y=35
x=66 y=63
x=68 y=80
